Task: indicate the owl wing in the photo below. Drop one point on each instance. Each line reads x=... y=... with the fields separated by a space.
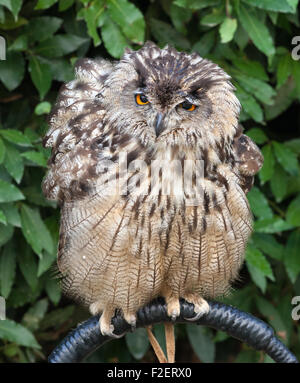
x=248 y=158
x=76 y=133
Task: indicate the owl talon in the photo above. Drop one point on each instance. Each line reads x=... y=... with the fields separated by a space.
x=110 y=332
x=201 y=307
x=174 y=315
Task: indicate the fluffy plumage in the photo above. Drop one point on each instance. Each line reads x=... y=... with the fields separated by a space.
x=119 y=248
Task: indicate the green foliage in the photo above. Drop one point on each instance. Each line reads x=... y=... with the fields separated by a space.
x=251 y=40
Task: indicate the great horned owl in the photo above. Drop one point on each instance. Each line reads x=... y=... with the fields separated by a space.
x=119 y=134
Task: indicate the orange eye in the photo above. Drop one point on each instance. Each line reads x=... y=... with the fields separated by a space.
x=141 y=99
x=188 y=106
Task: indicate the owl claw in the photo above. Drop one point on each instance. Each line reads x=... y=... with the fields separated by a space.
x=200 y=310
x=174 y=315
x=110 y=332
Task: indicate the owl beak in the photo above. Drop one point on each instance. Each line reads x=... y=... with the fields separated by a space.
x=159 y=123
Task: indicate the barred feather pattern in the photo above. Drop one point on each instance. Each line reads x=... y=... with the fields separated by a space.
x=120 y=250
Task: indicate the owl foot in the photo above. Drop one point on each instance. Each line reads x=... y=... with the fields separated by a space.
x=201 y=307
x=106 y=327
x=173 y=307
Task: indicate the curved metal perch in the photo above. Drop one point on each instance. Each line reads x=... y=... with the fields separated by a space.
x=86 y=338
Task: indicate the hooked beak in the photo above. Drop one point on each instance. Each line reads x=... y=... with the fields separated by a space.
x=159 y=123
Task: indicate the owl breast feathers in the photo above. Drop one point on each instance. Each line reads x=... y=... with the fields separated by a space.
x=151 y=171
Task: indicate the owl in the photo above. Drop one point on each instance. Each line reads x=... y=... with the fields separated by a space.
x=150 y=168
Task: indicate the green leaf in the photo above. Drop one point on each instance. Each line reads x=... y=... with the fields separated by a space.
x=113 y=39
x=15 y=136
x=13 y=163
x=45 y=262
x=36 y=157
x=284 y=69
x=257 y=135
x=10 y=22
x=11 y=213
x=259 y=89
x=53 y=290
x=65 y=4
x=205 y=44
x=291 y=256
x=41 y=76
x=196 y=4
x=11 y=350
x=286 y=157
x=160 y=335
x=7 y=269
x=14 y=332
x=13 y=5
x=42 y=108
x=227 y=30
x=3 y=218
x=35 y=314
x=180 y=17
x=28 y=265
x=9 y=192
x=271 y=5
x=137 y=343
x=61 y=69
x=294 y=145
x=35 y=231
x=57 y=317
x=250 y=105
x=36 y=30
x=165 y=34
x=20 y=44
x=293 y=212
x=258 y=277
x=60 y=45
x=256 y=259
x=2 y=151
x=12 y=70
x=251 y=68
x=256 y=29
x=259 y=204
x=6 y=232
x=129 y=18
x=279 y=183
x=268 y=244
x=93 y=14
x=272 y=225
x=212 y=19
x=241 y=37
x=44 y=4
x=284 y=98
x=202 y=343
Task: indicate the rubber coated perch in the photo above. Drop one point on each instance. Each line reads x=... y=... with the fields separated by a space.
x=86 y=338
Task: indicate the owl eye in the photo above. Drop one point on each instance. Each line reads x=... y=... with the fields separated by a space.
x=188 y=106
x=141 y=99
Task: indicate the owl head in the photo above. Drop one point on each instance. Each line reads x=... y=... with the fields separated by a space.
x=170 y=97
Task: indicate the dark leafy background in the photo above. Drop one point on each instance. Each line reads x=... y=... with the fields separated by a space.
x=251 y=40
